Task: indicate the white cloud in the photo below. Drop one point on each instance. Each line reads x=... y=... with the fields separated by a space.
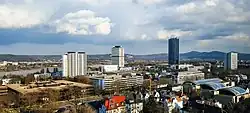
x=83 y=22
x=165 y=34
x=96 y=2
x=236 y=42
x=238 y=37
x=147 y=2
x=55 y=49
x=186 y=8
x=204 y=43
x=212 y=11
x=28 y=1
x=134 y=19
x=18 y=17
x=211 y=2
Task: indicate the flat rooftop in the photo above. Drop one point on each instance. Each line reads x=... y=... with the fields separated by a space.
x=37 y=87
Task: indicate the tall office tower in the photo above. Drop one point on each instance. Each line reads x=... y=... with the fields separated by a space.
x=117 y=57
x=173 y=51
x=231 y=61
x=74 y=63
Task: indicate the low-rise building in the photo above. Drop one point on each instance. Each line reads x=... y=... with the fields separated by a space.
x=9 y=81
x=5 y=81
x=18 y=91
x=134 y=107
x=115 y=104
x=181 y=77
x=43 y=76
x=109 y=68
x=126 y=69
x=134 y=102
x=109 y=82
x=4 y=63
x=3 y=90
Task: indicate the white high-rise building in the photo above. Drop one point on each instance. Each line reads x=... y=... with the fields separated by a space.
x=117 y=57
x=74 y=64
x=231 y=61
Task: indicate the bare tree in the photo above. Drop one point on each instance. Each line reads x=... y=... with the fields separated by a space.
x=52 y=95
x=117 y=86
x=2 y=110
x=146 y=84
x=83 y=79
x=29 y=99
x=85 y=109
x=29 y=78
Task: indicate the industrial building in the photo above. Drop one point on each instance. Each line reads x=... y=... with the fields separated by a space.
x=74 y=64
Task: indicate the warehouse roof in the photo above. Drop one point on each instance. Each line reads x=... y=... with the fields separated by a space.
x=234 y=90
x=214 y=85
x=213 y=80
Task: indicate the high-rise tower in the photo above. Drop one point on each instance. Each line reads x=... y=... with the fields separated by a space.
x=231 y=61
x=173 y=51
x=117 y=57
x=74 y=64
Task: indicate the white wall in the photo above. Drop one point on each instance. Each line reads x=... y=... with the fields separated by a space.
x=110 y=68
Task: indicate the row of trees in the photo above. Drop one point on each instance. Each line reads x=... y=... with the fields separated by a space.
x=81 y=79
x=51 y=95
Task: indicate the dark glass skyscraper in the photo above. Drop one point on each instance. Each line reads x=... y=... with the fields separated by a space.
x=173 y=51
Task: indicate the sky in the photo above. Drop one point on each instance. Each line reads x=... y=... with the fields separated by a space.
x=140 y=26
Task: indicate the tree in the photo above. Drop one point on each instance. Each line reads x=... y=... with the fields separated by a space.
x=47 y=70
x=9 y=110
x=77 y=91
x=83 y=79
x=71 y=92
x=151 y=106
x=66 y=93
x=52 y=95
x=42 y=71
x=29 y=99
x=55 y=69
x=5 y=77
x=29 y=78
x=85 y=109
x=241 y=107
x=146 y=84
x=117 y=86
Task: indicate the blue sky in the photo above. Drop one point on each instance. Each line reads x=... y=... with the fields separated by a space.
x=140 y=26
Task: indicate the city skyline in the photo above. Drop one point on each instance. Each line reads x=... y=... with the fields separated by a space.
x=93 y=26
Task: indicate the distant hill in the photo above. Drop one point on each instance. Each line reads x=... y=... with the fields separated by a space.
x=213 y=55
x=216 y=55
x=10 y=57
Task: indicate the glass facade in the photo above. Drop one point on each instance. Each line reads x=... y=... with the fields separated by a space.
x=173 y=51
